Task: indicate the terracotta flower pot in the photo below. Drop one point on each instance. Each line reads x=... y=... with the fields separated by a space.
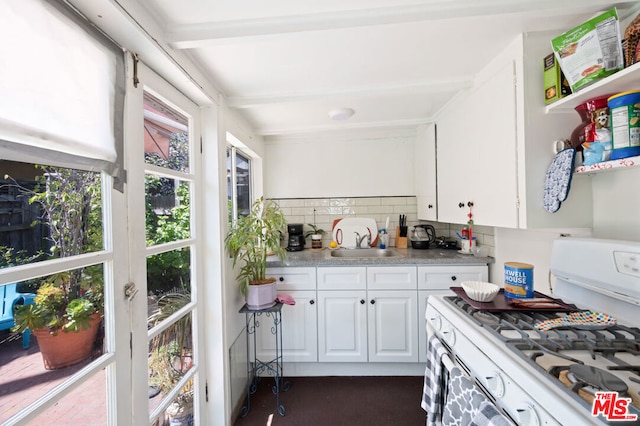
x=64 y=349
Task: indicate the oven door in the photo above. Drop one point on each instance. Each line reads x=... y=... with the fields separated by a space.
x=489 y=377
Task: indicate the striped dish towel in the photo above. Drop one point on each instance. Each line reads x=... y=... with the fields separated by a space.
x=433 y=380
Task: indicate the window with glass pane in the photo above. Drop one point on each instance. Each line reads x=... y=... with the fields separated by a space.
x=238 y=183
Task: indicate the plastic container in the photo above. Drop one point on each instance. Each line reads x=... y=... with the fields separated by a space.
x=625 y=124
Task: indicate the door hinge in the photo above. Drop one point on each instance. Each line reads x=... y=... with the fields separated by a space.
x=130 y=345
x=206 y=391
x=200 y=144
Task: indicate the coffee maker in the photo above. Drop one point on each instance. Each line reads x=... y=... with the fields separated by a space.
x=296 y=237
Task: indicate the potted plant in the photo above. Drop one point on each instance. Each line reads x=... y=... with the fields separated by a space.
x=250 y=241
x=65 y=323
x=316 y=236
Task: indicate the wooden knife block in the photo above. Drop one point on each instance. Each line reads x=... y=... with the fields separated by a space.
x=401 y=242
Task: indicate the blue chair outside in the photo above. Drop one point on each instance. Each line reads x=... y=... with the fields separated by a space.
x=9 y=297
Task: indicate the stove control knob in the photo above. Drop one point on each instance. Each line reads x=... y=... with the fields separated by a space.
x=496 y=384
x=436 y=322
x=528 y=416
x=450 y=337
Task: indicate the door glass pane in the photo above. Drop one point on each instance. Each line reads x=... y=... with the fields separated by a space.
x=168 y=215
x=166 y=135
x=85 y=405
x=169 y=272
x=171 y=355
x=48 y=212
x=34 y=360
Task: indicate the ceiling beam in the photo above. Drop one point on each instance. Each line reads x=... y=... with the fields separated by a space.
x=203 y=34
x=404 y=123
x=431 y=86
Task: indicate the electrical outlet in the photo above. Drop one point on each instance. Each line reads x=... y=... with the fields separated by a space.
x=627 y=262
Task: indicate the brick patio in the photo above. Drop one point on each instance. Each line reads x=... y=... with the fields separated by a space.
x=23 y=379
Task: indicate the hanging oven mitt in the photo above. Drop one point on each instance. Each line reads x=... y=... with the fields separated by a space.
x=582 y=320
x=558 y=179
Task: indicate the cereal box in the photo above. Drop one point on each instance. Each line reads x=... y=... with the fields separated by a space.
x=556 y=85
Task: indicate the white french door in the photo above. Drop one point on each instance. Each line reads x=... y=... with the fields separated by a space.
x=163 y=169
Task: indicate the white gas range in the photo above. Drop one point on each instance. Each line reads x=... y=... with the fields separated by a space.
x=551 y=377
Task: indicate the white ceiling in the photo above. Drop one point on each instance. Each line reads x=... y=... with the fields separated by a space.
x=285 y=63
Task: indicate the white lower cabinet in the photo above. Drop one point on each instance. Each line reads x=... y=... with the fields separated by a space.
x=299 y=321
x=375 y=325
x=392 y=320
x=358 y=314
x=434 y=280
x=342 y=326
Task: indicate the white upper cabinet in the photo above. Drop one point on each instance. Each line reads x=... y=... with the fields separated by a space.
x=494 y=147
x=425 y=172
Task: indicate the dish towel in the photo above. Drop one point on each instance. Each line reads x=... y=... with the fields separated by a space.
x=286 y=299
x=466 y=405
x=433 y=380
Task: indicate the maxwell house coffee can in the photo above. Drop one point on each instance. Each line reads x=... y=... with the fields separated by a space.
x=518 y=280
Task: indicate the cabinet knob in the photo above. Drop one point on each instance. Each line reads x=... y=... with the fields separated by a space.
x=461 y=205
x=311 y=302
x=362 y=301
x=281 y=279
x=470 y=204
x=373 y=302
x=453 y=278
x=430 y=206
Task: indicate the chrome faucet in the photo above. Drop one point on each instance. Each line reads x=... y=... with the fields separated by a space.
x=359 y=240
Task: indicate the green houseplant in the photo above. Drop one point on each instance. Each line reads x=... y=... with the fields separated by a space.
x=250 y=241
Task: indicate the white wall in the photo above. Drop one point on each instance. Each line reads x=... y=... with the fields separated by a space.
x=339 y=167
x=616 y=204
x=616 y=215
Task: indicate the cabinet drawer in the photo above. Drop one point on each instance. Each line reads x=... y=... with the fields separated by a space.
x=443 y=277
x=392 y=278
x=294 y=278
x=342 y=278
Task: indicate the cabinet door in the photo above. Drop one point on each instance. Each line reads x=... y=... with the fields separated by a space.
x=495 y=175
x=443 y=277
x=393 y=320
x=456 y=162
x=477 y=156
x=425 y=172
x=342 y=326
x=294 y=278
x=342 y=278
x=392 y=278
x=299 y=331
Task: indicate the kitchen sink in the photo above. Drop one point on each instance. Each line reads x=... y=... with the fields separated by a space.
x=361 y=253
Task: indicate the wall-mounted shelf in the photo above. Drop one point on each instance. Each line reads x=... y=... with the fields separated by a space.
x=609 y=165
x=622 y=81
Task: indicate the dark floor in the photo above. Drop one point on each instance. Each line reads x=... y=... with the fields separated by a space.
x=336 y=401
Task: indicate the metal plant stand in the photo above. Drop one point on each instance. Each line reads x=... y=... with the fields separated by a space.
x=272 y=367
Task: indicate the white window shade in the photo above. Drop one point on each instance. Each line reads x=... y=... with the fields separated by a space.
x=59 y=90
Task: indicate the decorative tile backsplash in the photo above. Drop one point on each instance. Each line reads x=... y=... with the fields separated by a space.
x=323 y=211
